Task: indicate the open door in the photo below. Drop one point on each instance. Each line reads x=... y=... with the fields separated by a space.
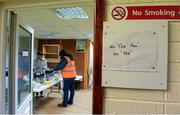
x=20 y=66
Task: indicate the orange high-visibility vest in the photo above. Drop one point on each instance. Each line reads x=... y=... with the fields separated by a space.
x=22 y=73
x=69 y=71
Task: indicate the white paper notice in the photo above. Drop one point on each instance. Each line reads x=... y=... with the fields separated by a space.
x=133 y=51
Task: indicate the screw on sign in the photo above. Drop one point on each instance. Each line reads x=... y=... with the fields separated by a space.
x=118 y=13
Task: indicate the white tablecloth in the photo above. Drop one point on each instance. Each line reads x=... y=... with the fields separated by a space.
x=38 y=87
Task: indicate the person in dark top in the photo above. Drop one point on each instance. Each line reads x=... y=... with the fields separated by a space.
x=68 y=71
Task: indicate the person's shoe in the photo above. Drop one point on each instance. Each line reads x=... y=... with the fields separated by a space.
x=70 y=103
x=61 y=105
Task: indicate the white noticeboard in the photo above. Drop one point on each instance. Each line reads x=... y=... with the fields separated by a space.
x=135 y=54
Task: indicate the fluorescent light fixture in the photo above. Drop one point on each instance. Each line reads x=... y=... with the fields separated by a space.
x=71 y=13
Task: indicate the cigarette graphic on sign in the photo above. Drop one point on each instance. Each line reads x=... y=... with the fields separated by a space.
x=118 y=13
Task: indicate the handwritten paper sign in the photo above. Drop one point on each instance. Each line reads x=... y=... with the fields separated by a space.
x=130 y=50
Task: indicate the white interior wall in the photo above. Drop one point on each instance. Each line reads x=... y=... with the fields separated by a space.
x=36 y=41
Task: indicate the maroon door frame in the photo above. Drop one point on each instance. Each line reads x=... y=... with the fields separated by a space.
x=98 y=92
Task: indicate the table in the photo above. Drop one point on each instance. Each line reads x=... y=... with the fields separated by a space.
x=38 y=87
x=79 y=78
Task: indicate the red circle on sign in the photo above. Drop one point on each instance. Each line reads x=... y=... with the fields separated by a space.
x=118 y=13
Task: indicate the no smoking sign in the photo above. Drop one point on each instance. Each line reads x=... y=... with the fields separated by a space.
x=118 y=13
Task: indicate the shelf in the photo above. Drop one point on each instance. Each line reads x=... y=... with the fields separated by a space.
x=52 y=60
x=51 y=53
x=47 y=45
x=51 y=48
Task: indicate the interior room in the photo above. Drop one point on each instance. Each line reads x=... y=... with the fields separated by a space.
x=72 y=31
x=125 y=81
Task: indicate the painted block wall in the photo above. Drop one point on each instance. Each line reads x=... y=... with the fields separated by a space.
x=134 y=101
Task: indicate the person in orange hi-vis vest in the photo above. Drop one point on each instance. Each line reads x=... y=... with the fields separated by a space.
x=68 y=71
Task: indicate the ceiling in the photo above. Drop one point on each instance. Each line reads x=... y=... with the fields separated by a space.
x=47 y=25
x=2 y=1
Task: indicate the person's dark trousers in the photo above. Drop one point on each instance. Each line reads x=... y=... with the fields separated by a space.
x=69 y=84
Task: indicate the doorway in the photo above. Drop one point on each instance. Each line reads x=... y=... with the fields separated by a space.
x=18 y=90
x=50 y=35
